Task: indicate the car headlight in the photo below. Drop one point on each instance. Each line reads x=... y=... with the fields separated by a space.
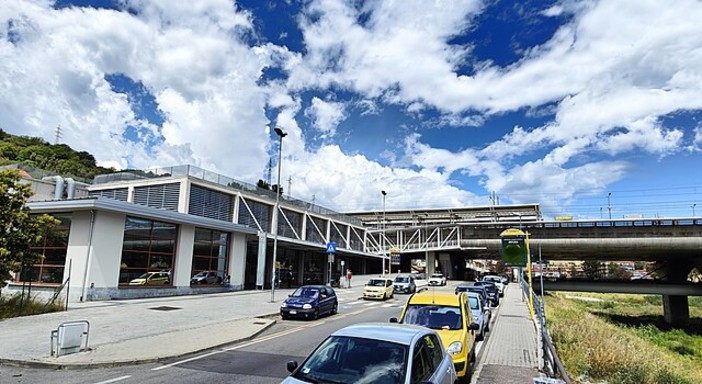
x=284 y=305
x=307 y=306
x=455 y=348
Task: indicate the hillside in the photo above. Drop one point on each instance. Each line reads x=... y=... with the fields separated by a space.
x=60 y=159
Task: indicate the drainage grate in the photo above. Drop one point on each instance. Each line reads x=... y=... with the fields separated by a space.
x=165 y=308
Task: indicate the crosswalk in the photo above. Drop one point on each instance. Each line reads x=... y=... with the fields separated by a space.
x=350 y=300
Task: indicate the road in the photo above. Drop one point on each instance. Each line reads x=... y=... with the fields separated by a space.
x=259 y=361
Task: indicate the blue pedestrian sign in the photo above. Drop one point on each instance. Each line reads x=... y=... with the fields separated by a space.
x=331 y=247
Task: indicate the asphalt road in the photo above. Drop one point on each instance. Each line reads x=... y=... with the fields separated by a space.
x=259 y=361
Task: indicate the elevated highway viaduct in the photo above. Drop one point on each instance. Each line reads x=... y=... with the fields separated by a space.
x=675 y=245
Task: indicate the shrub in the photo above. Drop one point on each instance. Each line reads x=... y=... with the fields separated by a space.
x=25 y=305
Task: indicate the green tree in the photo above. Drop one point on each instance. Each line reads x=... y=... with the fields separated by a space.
x=20 y=229
x=591 y=269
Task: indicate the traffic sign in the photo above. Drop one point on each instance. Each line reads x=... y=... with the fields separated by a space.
x=331 y=247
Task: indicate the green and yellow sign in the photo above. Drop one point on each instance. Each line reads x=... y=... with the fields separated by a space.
x=514 y=247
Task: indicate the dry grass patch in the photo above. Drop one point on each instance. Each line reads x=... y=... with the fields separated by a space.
x=595 y=350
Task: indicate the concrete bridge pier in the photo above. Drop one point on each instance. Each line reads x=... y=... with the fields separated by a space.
x=676 y=309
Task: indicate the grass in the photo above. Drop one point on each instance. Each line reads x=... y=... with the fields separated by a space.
x=623 y=339
x=18 y=305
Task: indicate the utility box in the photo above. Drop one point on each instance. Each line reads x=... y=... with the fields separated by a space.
x=70 y=337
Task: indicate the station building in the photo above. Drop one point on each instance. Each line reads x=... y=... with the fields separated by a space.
x=184 y=230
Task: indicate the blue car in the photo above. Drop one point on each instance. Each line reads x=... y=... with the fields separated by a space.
x=310 y=302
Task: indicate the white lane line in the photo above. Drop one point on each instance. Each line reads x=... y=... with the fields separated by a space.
x=270 y=337
x=116 y=379
x=276 y=335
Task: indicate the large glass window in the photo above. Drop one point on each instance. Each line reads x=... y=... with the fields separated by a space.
x=148 y=252
x=53 y=250
x=210 y=257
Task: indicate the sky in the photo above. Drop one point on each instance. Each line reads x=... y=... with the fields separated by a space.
x=589 y=108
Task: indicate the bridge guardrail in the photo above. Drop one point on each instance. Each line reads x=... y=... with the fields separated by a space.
x=551 y=363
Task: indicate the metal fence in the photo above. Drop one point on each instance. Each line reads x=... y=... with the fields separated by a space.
x=552 y=365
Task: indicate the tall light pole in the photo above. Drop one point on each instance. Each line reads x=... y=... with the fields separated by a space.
x=426 y=245
x=274 y=220
x=693 y=209
x=609 y=204
x=382 y=239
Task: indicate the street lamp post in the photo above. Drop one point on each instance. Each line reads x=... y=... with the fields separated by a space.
x=693 y=209
x=609 y=204
x=280 y=134
x=426 y=245
x=382 y=239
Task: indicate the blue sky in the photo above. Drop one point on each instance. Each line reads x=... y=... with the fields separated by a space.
x=438 y=103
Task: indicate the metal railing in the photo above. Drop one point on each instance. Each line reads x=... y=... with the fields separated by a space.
x=213 y=177
x=552 y=365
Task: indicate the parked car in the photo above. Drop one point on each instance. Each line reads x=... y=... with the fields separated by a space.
x=310 y=302
x=379 y=288
x=437 y=279
x=206 y=277
x=491 y=289
x=376 y=353
x=152 y=278
x=498 y=282
x=404 y=284
x=451 y=317
x=481 y=313
x=479 y=289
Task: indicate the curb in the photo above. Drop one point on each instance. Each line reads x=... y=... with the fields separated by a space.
x=112 y=364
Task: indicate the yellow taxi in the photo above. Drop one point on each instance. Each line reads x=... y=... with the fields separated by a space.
x=379 y=288
x=450 y=315
x=152 y=278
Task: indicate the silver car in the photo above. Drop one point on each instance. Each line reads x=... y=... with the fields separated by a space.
x=481 y=314
x=405 y=283
x=376 y=353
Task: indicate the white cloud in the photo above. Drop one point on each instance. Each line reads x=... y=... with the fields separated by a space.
x=326 y=116
x=610 y=75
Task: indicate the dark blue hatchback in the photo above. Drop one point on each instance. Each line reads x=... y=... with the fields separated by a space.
x=310 y=302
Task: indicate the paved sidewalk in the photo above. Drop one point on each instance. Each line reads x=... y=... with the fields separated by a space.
x=510 y=355
x=147 y=330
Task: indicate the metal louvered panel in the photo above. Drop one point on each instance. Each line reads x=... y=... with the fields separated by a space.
x=164 y=196
x=338 y=234
x=120 y=194
x=316 y=230
x=208 y=203
x=356 y=239
x=290 y=224
x=254 y=214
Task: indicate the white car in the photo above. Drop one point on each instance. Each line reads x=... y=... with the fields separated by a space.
x=373 y=353
x=498 y=282
x=437 y=279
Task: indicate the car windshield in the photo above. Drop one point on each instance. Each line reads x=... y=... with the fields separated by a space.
x=473 y=302
x=433 y=316
x=305 y=292
x=376 y=283
x=402 y=279
x=145 y=275
x=355 y=360
x=437 y=275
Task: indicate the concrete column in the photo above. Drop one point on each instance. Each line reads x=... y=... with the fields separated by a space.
x=431 y=260
x=675 y=308
x=182 y=271
x=237 y=264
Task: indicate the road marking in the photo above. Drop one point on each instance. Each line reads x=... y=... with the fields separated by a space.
x=116 y=379
x=262 y=339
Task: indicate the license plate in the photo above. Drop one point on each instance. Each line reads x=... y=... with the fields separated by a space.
x=293 y=312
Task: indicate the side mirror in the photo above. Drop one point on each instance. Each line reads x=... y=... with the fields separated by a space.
x=474 y=326
x=291 y=366
x=394 y=320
